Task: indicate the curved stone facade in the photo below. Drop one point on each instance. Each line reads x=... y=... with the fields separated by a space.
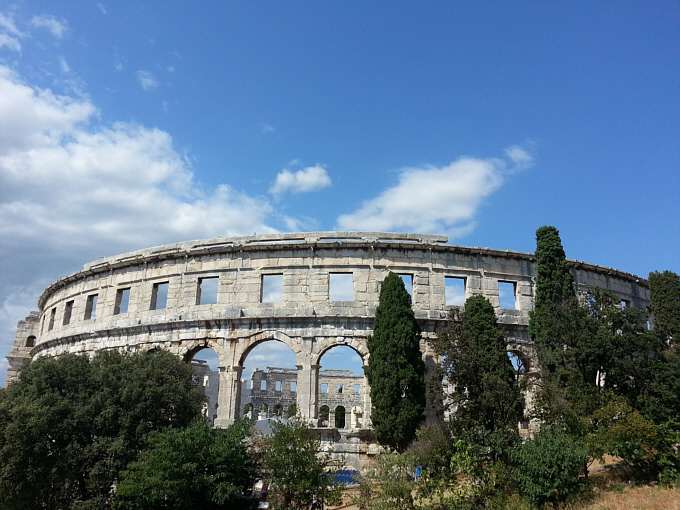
x=230 y=294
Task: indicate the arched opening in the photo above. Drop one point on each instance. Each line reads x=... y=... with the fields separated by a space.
x=340 y=417
x=247 y=410
x=30 y=341
x=342 y=386
x=324 y=413
x=292 y=410
x=269 y=379
x=206 y=363
x=518 y=363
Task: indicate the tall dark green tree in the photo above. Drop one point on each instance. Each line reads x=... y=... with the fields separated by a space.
x=487 y=395
x=396 y=371
x=68 y=425
x=664 y=293
x=554 y=287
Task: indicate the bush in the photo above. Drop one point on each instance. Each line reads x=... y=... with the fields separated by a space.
x=548 y=467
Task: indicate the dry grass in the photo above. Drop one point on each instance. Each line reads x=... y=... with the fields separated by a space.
x=636 y=498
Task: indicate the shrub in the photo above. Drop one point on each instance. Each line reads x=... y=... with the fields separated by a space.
x=548 y=467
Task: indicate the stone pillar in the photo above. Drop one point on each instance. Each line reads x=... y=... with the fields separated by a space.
x=228 y=410
x=366 y=422
x=308 y=391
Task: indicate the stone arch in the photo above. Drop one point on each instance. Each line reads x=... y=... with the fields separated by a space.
x=339 y=413
x=357 y=345
x=249 y=343
x=30 y=341
x=194 y=347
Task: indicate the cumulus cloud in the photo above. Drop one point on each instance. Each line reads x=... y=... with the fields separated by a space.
x=74 y=190
x=435 y=199
x=147 y=80
x=302 y=181
x=57 y=28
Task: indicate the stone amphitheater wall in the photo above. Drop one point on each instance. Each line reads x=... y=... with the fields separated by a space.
x=303 y=316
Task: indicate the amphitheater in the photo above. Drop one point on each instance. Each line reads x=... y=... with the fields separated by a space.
x=312 y=291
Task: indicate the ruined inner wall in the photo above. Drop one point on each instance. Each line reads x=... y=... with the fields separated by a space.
x=87 y=311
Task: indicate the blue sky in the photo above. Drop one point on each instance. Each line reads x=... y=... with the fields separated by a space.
x=129 y=124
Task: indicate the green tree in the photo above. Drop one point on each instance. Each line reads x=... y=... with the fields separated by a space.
x=297 y=469
x=396 y=371
x=555 y=296
x=487 y=396
x=68 y=425
x=664 y=294
x=195 y=467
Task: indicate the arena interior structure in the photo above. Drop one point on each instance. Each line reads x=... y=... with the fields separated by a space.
x=312 y=291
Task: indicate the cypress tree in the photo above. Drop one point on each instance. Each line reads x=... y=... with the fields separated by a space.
x=555 y=297
x=664 y=293
x=396 y=371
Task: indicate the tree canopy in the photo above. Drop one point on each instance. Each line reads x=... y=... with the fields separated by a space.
x=191 y=468
x=70 y=424
x=396 y=371
x=487 y=396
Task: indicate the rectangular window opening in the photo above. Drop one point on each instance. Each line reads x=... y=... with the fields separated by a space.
x=207 y=291
x=263 y=384
x=506 y=295
x=408 y=283
x=624 y=304
x=341 y=287
x=293 y=386
x=357 y=389
x=324 y=387
x=454 y=290
x=68 y=310
x=272 y=288
x=339 y=388
x=91 y=307
x=53 y=313
x=278 y=385
x=122 y=301
x=159 y=296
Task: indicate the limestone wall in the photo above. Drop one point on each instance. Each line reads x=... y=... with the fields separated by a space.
x=86 y=311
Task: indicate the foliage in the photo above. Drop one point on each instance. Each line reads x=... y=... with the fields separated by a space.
x=554 y=285
x=68 y=425
x=664 y=293
x=488 y=398
x=296 y=467
x=396 y=371
x=196 y=467
x=389 y=484
x=547 y=467
x=645 y=446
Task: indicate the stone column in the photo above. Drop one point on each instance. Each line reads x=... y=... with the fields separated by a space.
x=366 y=421
x=228 y=410
x=308 y=391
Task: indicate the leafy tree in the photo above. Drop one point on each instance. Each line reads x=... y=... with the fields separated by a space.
x=396 y=371
x=664 y=291
x=296 y=467
x=487 y=396
x=196 y=467
x=68 y=425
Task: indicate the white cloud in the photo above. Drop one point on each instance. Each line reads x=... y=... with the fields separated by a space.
x=9 y=33
x=432 y=199
x=74 y=190
x=56 y=27
x=302 y=181
x=520 y=157
x=63 y=66
x=147 y=80
x=267 y=128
